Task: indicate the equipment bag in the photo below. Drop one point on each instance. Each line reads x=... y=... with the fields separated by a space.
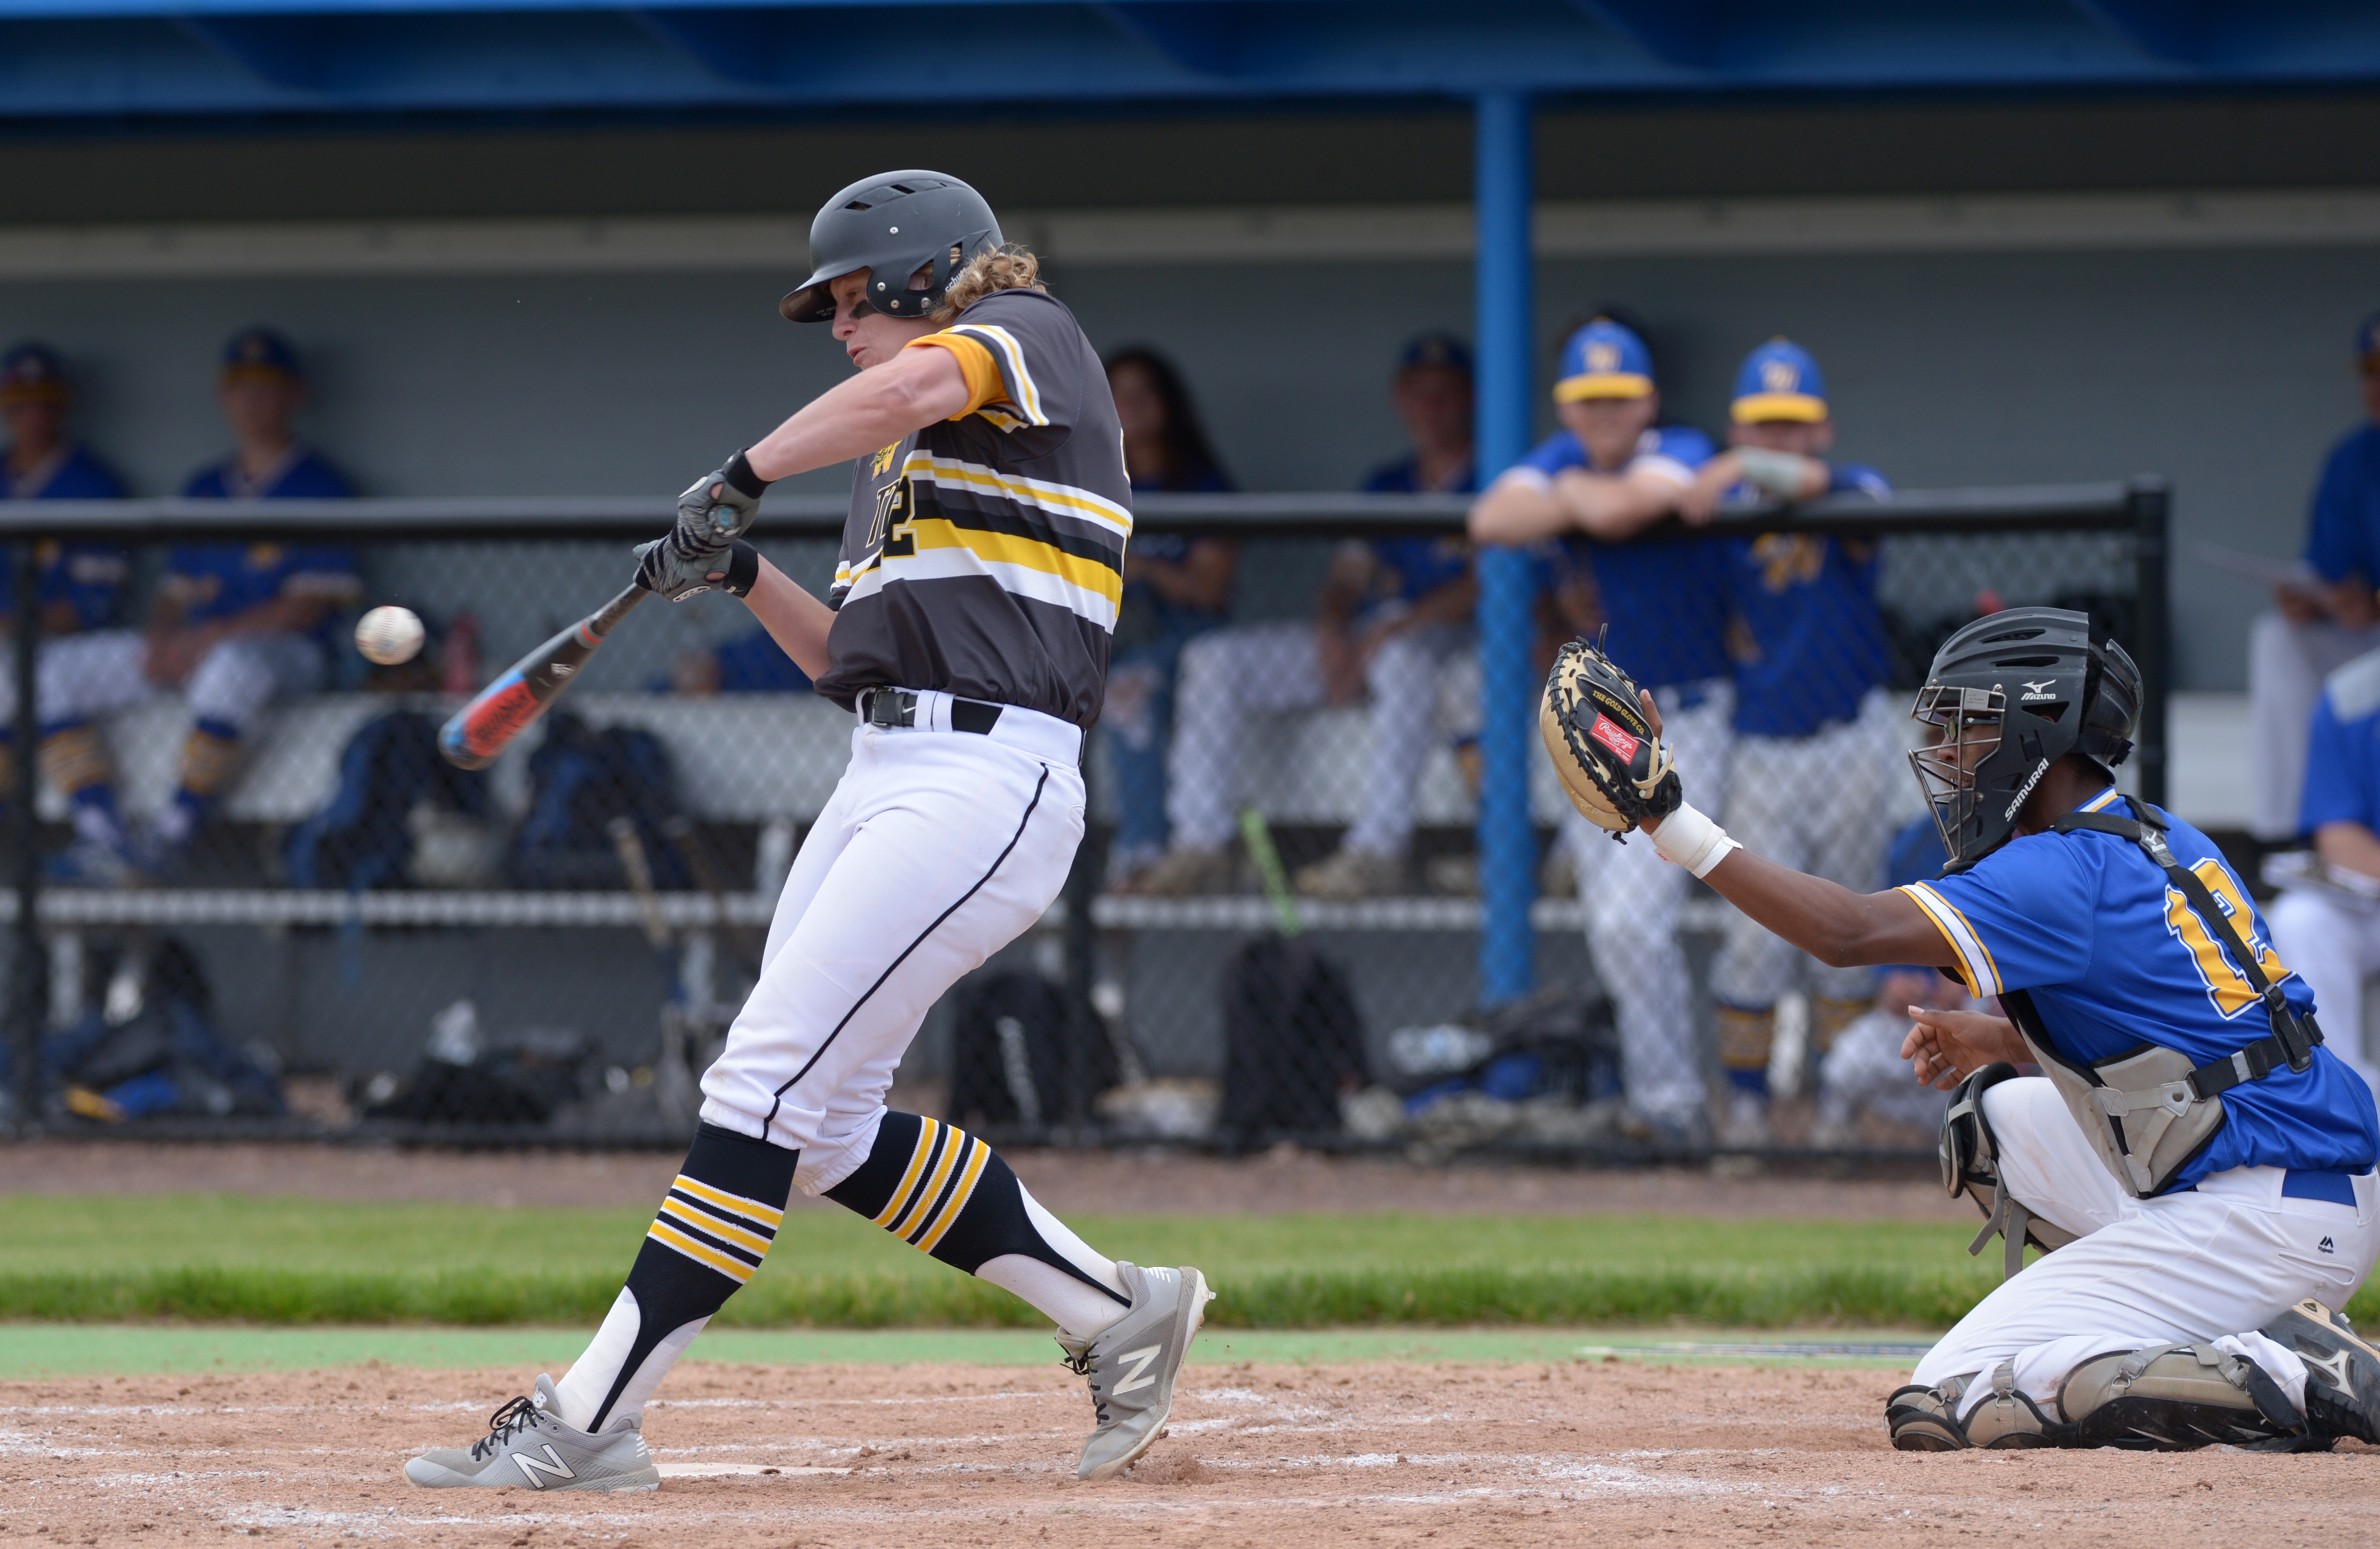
x=364 y=838
x=580 y=779
x=1293 y=1040
x=1012 y=1054
x=2148 y=1112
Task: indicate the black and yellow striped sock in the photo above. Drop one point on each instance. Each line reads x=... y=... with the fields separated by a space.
x=712 y=1233
x=945 y=1193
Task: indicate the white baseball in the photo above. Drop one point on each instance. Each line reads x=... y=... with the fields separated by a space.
x=389 y=634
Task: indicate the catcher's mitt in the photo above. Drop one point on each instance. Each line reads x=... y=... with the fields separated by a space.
x=1613 y=767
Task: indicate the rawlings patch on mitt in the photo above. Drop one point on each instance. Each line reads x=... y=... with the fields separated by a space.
x=1613 y=767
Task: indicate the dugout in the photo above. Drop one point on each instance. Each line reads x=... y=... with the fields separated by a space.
x=2035 y=242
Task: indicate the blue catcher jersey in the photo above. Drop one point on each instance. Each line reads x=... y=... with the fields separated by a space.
x=2113 y=956
x=1666 y=598
x=1807 y=638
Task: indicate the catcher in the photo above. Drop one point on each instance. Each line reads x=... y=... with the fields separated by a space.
x=2200 y=1164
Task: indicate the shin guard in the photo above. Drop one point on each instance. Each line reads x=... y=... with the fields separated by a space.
x=712 y=1233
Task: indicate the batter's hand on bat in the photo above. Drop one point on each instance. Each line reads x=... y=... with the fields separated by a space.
x=661 y=571
x=1948 y=1046
x=718 y=508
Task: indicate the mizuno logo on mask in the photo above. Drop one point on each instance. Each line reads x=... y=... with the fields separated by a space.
x=2026 y=790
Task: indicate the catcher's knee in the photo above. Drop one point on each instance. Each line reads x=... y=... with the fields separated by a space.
x=2174 y=1398
x=1928 y=1420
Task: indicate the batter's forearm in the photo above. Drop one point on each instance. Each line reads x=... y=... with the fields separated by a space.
x=795 y=619
x=864 y=414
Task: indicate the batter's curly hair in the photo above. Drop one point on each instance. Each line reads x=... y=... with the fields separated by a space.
x=1009 y=266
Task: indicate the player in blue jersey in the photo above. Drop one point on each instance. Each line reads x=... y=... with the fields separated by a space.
x=232 y=626
x=1814 y=738
x=1393 y=614
x=2199 y=1165
x=2327 y=924
x=1610 y=472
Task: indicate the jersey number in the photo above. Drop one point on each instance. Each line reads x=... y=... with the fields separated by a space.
x=2226 y=985
x=892 y=537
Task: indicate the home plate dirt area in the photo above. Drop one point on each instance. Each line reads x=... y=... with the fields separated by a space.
x=1261 y=1456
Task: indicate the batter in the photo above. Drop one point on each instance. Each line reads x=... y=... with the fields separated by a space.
x=967 y=629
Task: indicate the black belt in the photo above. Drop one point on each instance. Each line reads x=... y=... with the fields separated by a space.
x=898 y=706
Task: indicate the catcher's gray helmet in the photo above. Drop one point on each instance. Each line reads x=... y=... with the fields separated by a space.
x=893 y=224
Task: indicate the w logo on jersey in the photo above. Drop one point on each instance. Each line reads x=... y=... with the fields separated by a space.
x=2226 y=985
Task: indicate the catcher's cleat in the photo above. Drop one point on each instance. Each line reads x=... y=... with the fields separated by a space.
x=1133 y=1362
x=2342 y=1391
x=526 y=1444
x=1926 y=1418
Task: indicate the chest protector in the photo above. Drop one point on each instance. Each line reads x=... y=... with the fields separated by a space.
x=2149 y=1113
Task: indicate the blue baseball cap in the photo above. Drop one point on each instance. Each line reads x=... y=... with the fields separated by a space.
x=1603 y=361
x=257 y=354
x=1779 y=381
x=33 y=373
x=2367 y=340
x=1437 y=352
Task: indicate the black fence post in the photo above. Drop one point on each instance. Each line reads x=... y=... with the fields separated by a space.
x=29 y=967
x=2151 y=501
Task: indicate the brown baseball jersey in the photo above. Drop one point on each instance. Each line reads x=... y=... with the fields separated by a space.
x=984 y=555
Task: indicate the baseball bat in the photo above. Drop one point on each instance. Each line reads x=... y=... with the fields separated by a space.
x=480 y=730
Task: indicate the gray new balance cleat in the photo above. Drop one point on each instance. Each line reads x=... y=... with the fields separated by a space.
x=2342 y=1391
x=1133 y=1362
x=526 y=1444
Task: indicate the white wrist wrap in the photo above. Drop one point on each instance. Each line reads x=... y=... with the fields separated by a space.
x=1686 y=838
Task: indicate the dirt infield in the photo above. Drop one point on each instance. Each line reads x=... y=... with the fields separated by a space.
x=865 y=1456
x=1150 y=1183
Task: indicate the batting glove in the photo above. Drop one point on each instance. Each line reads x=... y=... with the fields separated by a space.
x=661 y=571
x=718 y=508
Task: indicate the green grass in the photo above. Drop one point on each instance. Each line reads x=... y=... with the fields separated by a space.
x=211 y=1258
x=32 y=1350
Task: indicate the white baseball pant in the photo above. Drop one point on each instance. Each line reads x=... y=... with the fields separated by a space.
x=2334 y=945
x=938 y=848
x=1233 y=674
x=2287 y=663
x=2217 y=1263
x=1632 y=896
x=81 y=676
x=1815 y=803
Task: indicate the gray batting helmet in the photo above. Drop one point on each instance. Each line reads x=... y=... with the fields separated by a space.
x=893 y=224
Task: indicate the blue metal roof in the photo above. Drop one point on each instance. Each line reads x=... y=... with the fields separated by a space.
x=68 y=58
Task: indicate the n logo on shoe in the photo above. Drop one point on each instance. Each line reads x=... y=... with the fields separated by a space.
x=532 y=1469
x=1136 y=1373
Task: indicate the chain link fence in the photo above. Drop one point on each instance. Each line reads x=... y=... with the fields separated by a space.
x=261 y=904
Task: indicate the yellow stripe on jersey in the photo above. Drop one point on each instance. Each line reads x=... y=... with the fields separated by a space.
x=1975 y=964
x=1000 y=548
x=702 y=1253
x=927 y=1129
x=978 y=1153
x=1026 y=399
x=1063 y=500
x=751 y=1210
x=975 y=364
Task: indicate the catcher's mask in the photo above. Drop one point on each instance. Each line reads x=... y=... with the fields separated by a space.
x=2008 y=696
x=893 y=224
